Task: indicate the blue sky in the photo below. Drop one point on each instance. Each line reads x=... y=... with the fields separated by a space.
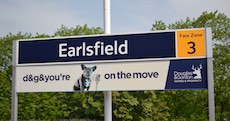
x=46 y=16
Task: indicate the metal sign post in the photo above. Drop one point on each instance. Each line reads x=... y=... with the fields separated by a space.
x=107 y=94
x=211 y=97
x=14 y=96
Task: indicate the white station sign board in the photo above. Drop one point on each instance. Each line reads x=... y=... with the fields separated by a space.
x=159 y=60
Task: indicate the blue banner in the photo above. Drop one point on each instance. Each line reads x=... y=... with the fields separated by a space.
x=111 y=47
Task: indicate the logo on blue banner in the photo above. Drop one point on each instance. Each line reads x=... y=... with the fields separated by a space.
x=187 y=74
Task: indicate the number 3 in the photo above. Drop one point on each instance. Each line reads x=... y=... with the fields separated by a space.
x=192 y=47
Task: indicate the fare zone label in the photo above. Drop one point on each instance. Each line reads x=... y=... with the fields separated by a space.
x=190 y=43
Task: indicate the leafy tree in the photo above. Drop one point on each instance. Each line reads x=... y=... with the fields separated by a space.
x=78 y=30
x=142 y=105
x=180 y=110
x=5 y=94
x=124 y=105
x=139 y=106
x=222 y=81
x=45 y=106
x=158 y=25
x=5 y=72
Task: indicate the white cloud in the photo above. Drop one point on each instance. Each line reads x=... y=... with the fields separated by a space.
x=31 y=16
x=44 y=16
x=194 y=8
x=38 y=16
x=139 y=15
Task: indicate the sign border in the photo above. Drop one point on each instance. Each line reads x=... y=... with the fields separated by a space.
x=16 y=47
